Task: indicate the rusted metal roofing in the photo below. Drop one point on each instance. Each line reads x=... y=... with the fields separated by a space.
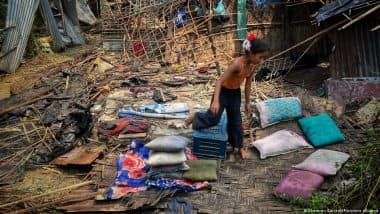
x=20 y=17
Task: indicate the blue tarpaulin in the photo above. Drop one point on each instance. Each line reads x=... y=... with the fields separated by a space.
x=336 y=7
x=261 y=3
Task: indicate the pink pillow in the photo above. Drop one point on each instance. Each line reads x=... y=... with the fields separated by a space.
x=298 y=183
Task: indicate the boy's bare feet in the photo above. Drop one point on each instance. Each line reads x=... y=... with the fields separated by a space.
x=189 y=120
x=231 y=156
x=243 y=153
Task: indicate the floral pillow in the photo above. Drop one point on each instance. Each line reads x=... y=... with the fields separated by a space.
x=273 y=111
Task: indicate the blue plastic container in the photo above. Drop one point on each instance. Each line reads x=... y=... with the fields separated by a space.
x=218 y=132
x=211 y=143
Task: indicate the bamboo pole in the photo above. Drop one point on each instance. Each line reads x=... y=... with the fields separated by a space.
x=24 y=104
x=360 y=17
x=320 y=33
x=300 y=57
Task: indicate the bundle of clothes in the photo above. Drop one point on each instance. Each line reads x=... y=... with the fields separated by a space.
x=163 y=163
x=124 y=126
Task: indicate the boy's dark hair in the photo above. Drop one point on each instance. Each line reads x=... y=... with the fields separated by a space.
x=257 y=46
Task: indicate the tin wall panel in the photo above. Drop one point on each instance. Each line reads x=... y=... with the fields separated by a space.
x=357 y=51
x=20 y=17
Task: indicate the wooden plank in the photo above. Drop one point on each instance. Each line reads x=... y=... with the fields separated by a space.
x=131 y=136
x=83 y=155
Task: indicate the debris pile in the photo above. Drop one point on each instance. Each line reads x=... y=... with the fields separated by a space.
x=114 y=122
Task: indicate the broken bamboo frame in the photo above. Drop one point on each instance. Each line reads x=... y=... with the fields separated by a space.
x=304 y=52
x=320 y=33
x=360 y=17
x=2 y=112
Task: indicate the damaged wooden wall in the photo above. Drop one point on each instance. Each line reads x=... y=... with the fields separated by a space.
x=357 y=50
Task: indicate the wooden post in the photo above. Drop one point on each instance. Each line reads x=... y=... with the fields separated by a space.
x=241 y=19
x=212 y=40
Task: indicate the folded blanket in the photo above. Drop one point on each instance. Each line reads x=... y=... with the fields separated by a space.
x=169 y=183
x=201 y=170
x=175 y=171
x=173 y=175
x=181 y=167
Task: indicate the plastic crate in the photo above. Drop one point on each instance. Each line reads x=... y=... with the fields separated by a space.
x=218 y=132
x=209 y=149
x=211 y=143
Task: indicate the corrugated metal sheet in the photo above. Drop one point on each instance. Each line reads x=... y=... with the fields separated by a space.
x=73 y=31
x=70 y=8
x=85 y=13
x=301 y=28
x=357 y=51
x=52 y=25
x=69 y=20
x=20 y=16
x=288 y=26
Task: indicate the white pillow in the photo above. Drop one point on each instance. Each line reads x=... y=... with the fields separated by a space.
x=166 y=158
x=324 y=162
x=172 y=143
x=280 y=142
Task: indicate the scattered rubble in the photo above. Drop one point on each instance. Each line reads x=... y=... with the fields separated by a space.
x=73 y=119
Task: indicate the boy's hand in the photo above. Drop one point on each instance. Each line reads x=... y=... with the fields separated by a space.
x=215 y=107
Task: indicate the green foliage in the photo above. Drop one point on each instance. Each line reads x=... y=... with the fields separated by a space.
x=33 y=47
x=371 y=132
x=337 y=165
x=300 y=202
x=365 y=168
x=320 y=201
